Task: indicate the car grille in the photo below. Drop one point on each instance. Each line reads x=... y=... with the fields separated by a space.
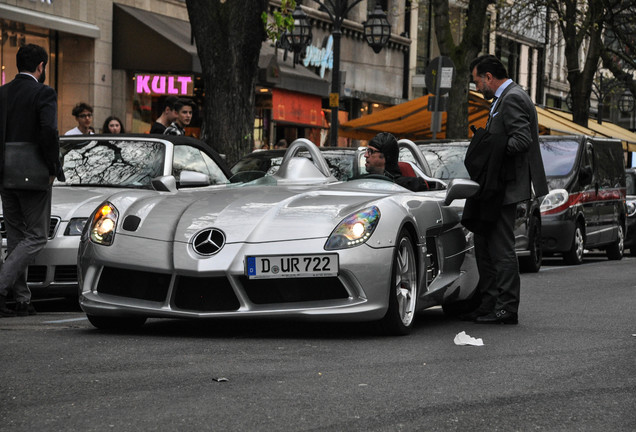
x=36 y=274
x=65 y=273
x=134 y=284
x=215 y=294
x=205 y=294
x=291 y=290
x=55 y=222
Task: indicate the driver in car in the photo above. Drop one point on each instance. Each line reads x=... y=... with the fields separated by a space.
x=382 y=158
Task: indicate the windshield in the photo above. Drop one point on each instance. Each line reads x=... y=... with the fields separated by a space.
x=341 y=163
x=446 y=161
x=558 y=156
x=112 y=163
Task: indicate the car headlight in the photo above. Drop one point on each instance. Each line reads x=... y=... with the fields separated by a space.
x=555 y=202
x=354 y=230
x=102 y=229
x=75 y=227
x=631 y=208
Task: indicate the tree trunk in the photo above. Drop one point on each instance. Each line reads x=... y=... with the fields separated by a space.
x=462 y=54
x=228 y=35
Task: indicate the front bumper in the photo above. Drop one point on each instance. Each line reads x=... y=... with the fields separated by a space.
x=114 y=284
x=557 y=232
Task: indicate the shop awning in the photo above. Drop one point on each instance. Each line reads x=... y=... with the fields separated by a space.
x=49 y=21
x=604 y=129
x=411 y=120
x=148 y=41
x=276 y=71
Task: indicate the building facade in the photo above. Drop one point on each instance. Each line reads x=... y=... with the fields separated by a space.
x=123 y=56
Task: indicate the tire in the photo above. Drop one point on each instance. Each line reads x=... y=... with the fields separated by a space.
x=116 y=323
x=403 y=291
x=575 y=255
x=532 y=263
x=616 y=250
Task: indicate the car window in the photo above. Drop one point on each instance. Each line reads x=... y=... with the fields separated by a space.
x=192 y=159
x=112 y=163
x=446 y=161
x=558 y=156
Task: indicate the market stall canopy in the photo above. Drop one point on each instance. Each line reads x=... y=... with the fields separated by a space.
x=411 y=120
x=604 y=129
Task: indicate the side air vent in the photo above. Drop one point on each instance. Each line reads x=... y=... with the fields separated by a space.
x=131 y=223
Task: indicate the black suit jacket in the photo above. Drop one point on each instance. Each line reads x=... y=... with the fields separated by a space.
x=32 y=116
x=515 y=117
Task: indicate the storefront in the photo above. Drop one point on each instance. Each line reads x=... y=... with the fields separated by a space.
x=289 y=100
x=47 y=26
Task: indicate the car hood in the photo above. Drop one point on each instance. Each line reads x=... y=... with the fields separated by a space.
x=69 y=202
x=253 y=214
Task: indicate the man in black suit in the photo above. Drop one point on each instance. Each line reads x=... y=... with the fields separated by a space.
x=31 y=116
x=513 y=128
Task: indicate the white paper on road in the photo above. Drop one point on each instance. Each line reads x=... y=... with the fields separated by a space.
x=463 y=339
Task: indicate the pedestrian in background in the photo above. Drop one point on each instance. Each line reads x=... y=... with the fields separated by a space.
x=168 y=115
x=184 y=109
x=31 y=116
x=113 y=126
x=83 y=113
x=513 y=129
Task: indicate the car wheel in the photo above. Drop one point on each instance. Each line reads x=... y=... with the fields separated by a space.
x=615 y=250
x=116 y=323
x=400 y=315
x=575 y=255
x=532 y=263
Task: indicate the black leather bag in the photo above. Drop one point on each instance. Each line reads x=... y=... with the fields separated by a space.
x=24 y=167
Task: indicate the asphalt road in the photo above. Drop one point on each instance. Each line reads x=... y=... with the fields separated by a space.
x=570 y=365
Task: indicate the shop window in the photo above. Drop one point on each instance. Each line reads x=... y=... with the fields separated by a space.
x=13 y=35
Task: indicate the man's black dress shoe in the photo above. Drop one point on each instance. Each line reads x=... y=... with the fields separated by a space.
x=498 y=317
x=25 y=309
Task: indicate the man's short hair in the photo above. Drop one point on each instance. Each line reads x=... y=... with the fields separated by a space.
x=168 y=102
x=489 y=63
x=29 y=57
x=180 y=103
x=81 y=107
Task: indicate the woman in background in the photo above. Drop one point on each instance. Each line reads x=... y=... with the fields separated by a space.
x=113 y=126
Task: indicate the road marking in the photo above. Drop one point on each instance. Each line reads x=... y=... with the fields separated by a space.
x=64 y=321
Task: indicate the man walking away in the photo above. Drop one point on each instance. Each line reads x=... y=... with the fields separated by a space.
x=31 y=116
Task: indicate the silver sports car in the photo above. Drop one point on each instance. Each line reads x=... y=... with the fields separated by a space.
x=97 y=167
x=295 y=244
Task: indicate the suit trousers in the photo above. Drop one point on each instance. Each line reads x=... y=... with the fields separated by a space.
x=499 y=281
x=27 y=216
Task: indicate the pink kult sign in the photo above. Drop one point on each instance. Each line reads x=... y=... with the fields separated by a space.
x=178 y=85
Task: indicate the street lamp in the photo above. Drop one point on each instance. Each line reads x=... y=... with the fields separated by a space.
x=300 y=36
x=377 y=31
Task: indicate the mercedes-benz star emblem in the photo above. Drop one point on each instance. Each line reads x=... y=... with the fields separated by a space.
x=208 y=241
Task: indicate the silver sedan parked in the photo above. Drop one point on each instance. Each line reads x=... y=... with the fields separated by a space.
x=98 y=166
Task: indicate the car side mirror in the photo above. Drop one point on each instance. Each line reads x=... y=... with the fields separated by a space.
x=460 y=189
x=164 y=183
x=192 y=179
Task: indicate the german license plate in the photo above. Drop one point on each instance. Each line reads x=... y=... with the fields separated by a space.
x=291 y=266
